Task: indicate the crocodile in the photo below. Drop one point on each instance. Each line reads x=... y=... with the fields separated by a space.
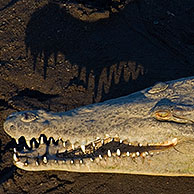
x=148 y=132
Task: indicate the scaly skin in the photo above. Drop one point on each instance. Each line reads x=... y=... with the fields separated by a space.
x=162 y=116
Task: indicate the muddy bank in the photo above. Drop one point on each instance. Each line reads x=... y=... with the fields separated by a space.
x=60 y=55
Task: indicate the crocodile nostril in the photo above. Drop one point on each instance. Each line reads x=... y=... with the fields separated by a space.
x=12 y=127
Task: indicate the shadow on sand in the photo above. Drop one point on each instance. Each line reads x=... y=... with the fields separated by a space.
x=112 y=52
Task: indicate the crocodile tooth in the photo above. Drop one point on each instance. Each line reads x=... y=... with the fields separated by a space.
x=174 y=141
x=37 y=164
x=45 y=159
x=17 y=141
x=151 y=153
x=133 y=155
x=83 y=149
x=64 y=144
x=15 y=157
x=109 y=153
x=28 y=143
x=128 y=153
x=91 y=159
x=140 y=145
x=33 y=144
x=51 y=140
x=146 y=153
x=81 y=161
x=121 y=140
x=41 y=140
x=72 y=161
x=118 y=152
x=14 y=149
x=102 y=142
x=37 y=141
x=100 y=156
x=25 y=150
x=73 y=146
x=143 y=154
x=93 y=144
x=137 y=153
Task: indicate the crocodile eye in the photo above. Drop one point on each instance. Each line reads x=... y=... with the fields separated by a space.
x=162 y=114
x=28 y=117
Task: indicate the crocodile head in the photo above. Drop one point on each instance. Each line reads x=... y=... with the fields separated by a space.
x=148 y=132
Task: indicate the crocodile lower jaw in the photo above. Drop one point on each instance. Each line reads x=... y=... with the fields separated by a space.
x=101 y=155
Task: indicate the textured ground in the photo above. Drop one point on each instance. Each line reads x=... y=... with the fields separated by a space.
x=62 y=55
